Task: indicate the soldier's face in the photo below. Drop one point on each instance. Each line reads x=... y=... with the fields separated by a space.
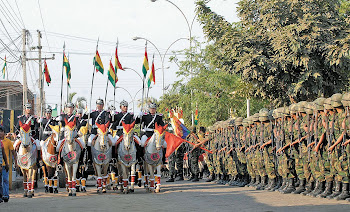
x=152 y=110
x=100 y=107
x=69 y=110
x=124 y=108
x=80 y=115
x=28 y=111
x=2 y=134
x=48 y=115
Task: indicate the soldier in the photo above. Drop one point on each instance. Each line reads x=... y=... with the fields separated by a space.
x=196 y=152
x=45 y=130
x=81 y=122
x=29 y=117
x=123 y=116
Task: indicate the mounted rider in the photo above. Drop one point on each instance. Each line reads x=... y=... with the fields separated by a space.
x=123 y=116
x=148 y=121
x=69 y=116
x=26 y=118
x=44 y=129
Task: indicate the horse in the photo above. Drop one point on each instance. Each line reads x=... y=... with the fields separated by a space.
x=153 y=157
x=70 y=149
x=127 y=156
x=49 y=157
x=27 y=154
x=101 y=149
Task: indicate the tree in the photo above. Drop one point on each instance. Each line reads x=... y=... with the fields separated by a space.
x=80 y=102
x=288 y=49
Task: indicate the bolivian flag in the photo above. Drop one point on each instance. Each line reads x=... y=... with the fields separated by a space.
x=112 y=76
x=196 y=117
x=4 y=69
x=152 y=76
x=47 y=74
x=67 y=66
x=98 y=63
x=145 y=66
x=117 y=62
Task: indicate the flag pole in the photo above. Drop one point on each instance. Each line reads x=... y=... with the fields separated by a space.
x=64 y=46
x=107 y=85
x=115 y=87
x=67 y=85
x=143 y=85
x=92 y=83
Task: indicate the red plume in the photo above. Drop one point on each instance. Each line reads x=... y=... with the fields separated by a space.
x=128 y=127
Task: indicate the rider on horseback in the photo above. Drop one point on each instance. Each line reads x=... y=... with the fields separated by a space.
x=26 y=118
x=123 y=116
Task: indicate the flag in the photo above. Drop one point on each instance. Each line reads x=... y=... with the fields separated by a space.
x=117 y=62
x=152 y=76
x=67 y=66
x=196 y=117
x=179 y=128
x=112 y=76
x=173 y=142
x=47 y=74
x=4 y=69
x=98 y=63
x=145 y=66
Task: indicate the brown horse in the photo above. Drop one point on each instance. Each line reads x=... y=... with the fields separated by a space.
x=49 y=157
x=26 y=158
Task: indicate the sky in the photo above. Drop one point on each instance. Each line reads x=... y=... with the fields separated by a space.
x=80 y=23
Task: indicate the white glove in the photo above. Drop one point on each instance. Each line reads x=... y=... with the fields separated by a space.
x=112 y=112
x=59 y=118
x=40 y=120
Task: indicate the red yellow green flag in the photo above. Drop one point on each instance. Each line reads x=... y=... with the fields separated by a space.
x=4 y=69
x=98 y=63
x=47 y=74
x=196 y=117
x=67 y=66
x=117 y=62
x=152 y=76
x=112 y=76
x=145 y=66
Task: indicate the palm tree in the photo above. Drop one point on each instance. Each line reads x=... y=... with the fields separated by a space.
x=146 y=102
x=80 y=102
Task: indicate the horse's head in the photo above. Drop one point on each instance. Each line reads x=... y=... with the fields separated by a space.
x=55 y=132
x=128 y=136
x=83 y=131
x=158 y=135
x=69 y=132
x=102 y=130
x=25 y=133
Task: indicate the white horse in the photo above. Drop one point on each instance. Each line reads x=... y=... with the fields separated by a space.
x=127 y=156
x=27 y=154
x=101 y=149
x=70 y=149
x=153 y=157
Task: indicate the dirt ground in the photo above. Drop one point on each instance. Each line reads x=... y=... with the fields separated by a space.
x=178 y=196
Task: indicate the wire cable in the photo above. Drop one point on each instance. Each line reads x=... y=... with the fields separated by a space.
x=20 y=15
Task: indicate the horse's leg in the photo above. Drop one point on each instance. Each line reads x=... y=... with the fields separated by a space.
x=125 y=179
x=68 y=177
x=158 y=176
x=34 y=176
x=66 y=174
x=104 y=175
x=74 y=177
x=25 y=182
x=133 y=177
x=30 y=180
x=52 y=179
x=151 y=177
x=46 y=179
x=99 y=177
x=139 y=174
x=146 y=170
x=119 y=180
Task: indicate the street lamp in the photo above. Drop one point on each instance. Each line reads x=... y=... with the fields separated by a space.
x=127 y=68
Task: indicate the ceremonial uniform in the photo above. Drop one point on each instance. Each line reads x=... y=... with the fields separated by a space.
x=120 y=117
x=148 y=122
x=34 y=125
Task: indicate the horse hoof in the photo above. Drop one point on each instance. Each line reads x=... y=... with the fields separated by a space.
x=157 y=190
x=30 y=196
x=74 y=195
x=70 y=194
x=55 y=191
x=25 y=195
x=125 y=191
x=83 y=190
x=132 y=190
x=104 y=191
x=33 y=194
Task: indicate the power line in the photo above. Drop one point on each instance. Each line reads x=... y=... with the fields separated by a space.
x=9 y=45
x=8 y=19
x=8 y=48
x=20 y=15
x=8 y=33
x=11 y=13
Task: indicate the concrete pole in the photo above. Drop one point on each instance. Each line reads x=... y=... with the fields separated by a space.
x=25 y=88
x=41 y=96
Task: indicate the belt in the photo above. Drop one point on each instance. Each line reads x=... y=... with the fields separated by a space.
x=119 y=127
x=47 y=132
x=148 y=130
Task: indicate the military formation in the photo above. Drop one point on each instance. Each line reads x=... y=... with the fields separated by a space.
x=301 y=149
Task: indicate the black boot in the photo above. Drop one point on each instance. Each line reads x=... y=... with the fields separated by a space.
x=318 y=190
x=337 y=190
x=195 y=178
x=345 y=192
x=46 y=189
x=309 y=188
x=171 y=179
x=327 y=191
x=210 y=178
x=301 y=187
x=180 y=177
x=278 y=184
x=290 y=188
x=262 y=184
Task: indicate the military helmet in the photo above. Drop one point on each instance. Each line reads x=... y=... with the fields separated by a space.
x=70 y=105
x=336 y=100
x=263 y=115
x=301 y=106
x=250 y=120
x=28 y=106
x=245 y=122
x=99 y=101
x=111 y=108
x=293 y=108
x=255 y=117
x=48 y=109
x=328 y=104
x=275 y=114
x=80 y=111
x=309 y=107
x=239 y=121
x=346 y=100
x=124 y=103
x=319 y=103
x=284 y=111
x=231 y=122
x=152 y=105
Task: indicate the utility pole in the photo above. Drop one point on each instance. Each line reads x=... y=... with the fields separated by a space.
x=41 y=79
x=25 y=98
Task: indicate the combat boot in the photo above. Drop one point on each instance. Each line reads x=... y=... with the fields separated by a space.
x=309 y=188
x=252 y=181
x=195 y=178
x=345 y=192
x=318 y=190
x=337 y=190
x=278 y=184
x=272 y=184
x=257 y=181
x=171 y=179
x=301 y=187
x=179 y=177
x=210 y=178
x=262 y=184
x=327 y=191
x=290 y=188
x=284 y=185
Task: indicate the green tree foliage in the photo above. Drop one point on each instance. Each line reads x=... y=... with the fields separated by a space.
x=290 y=50
x=213 y=91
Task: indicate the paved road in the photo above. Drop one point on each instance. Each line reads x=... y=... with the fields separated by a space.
x=178 y=196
